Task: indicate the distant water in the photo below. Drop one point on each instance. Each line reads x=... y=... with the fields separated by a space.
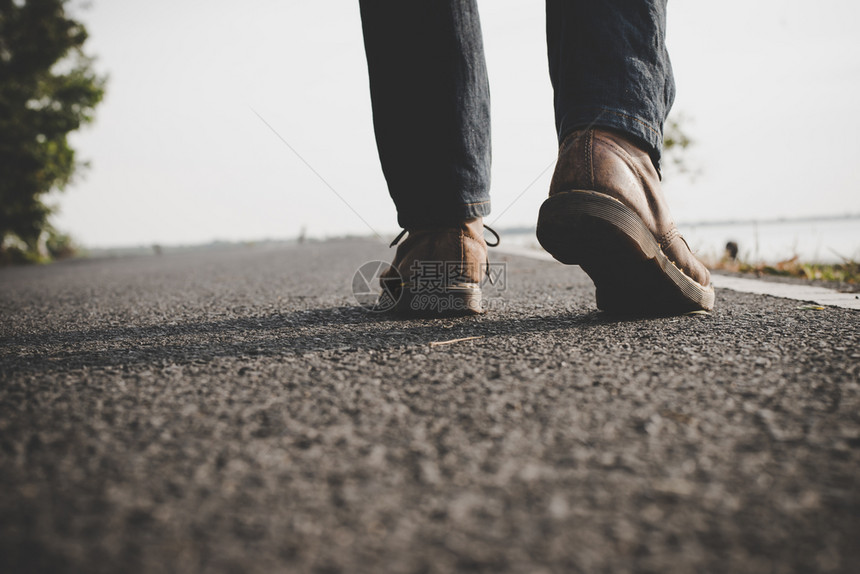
x=813 y=240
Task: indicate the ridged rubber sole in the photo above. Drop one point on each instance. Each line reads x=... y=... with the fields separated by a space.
x=465 y=299
x=611 y=243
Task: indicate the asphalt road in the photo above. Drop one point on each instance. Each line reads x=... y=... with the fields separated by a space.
x=235 y=411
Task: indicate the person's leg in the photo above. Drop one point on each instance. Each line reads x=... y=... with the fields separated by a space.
x=431 y=108
x=609 y=67
x=431 y=115
x=606 y=211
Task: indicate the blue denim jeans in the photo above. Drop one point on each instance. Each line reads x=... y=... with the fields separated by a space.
x=431 y=100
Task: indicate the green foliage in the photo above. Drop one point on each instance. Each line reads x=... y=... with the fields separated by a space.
x=846 y=272
x=60 y=245
x=47 y=89
x=675 y=144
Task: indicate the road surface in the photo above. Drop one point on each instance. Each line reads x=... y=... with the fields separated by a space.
x=236 y=411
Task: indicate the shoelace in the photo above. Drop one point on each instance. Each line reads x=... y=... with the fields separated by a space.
x=487 y=227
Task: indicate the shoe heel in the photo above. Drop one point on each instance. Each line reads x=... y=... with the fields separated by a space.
x=573 y=227
x=615 y=248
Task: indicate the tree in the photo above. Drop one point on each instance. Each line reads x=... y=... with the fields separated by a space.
x=675 y=144
x=47 y=89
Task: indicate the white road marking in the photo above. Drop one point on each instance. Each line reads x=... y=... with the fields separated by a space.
x=820 y=295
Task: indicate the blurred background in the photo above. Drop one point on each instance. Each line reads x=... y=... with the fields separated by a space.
x=766 y=91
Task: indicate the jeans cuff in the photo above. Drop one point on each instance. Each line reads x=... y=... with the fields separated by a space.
x=650 y=136
x=447 y=218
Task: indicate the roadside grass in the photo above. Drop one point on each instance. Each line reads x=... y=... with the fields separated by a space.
x=846 y=272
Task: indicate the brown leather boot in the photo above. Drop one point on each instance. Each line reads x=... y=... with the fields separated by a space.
x=437 y=271
x=606 y=212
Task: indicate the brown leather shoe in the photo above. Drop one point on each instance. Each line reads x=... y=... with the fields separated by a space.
x=437 y=271
x=606 y=212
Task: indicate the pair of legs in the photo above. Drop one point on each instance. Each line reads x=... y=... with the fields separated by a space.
x=431 y=104
x=431 y=99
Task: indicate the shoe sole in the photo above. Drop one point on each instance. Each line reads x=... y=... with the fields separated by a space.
x=612 y=244
x=461 y=300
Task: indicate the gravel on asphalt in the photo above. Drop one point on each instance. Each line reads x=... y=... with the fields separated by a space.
x=236 y=411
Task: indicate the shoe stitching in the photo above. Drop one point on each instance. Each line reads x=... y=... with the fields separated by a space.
x=665 y=241
x=462 y=250
x=667 y=238
x=627 y=159
x=589 y=154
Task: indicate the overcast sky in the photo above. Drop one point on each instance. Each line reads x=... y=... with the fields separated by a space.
x=768 y=89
